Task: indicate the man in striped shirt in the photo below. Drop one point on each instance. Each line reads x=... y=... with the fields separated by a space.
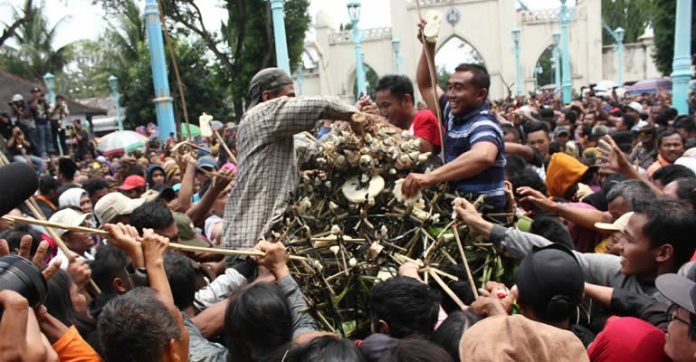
x=474 y=145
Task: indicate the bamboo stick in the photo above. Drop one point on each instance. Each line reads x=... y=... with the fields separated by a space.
x=230 y=155
x=175 y=246
x=447 y=290
x=466 y=262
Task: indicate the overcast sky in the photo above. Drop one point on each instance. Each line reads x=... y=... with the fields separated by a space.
x=86 y=20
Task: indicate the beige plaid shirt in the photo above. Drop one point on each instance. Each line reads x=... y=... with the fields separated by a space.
x=267 y=169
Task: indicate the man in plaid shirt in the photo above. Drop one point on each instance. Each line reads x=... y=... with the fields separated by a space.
x=268 y=173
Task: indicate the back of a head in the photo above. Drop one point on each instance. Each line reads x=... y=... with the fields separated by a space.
x=635 y=193
x=67 y=168
x=398 y=85
x=527 y=177
x=416 y=349
x=671 y=222
x=14 y=237
x=669 y=173
x=94 y=185
x=109 y=262
x=481 y=79
x=151 y=215
x=536 y=126
x=136 y=327
x=451 y=330
x=48 y=184
x=257 y=321
x=686 y=190
x=408 y=306
x=553 y=230
x=58 y=302
x=182 y=278
x=325 y=349
x=686 y=123
x=628 y=339
x=551 y=283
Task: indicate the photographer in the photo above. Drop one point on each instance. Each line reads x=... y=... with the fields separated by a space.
x=58 y=112
x=22 y=117
x=39 y=111
x=19 y=146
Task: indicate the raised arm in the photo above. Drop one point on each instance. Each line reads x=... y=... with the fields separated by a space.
x=430 y=92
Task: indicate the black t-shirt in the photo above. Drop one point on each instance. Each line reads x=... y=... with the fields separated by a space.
x=6 y=130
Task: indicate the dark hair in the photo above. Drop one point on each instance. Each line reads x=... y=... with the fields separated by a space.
x=59 y=304
x=135 y=170
x=553 y=230
x=5 y=115
x=397 y=85
x=629 y=120
x=514 y=165
x=586 y=130
x=450 y=332
x=555 y=147
x=14 y=237
x=408 y=306
x=416 y=349
x=258 y=320
x=182 y=278
x=671 y=222
x=94 y=185
x=325 y=349
x=461 y=288
x=110 y=262
x=136 y=327
x=668 y=133
x=151 y=215
x=508 y=128
x=635 y=193
x=669 y=173
x=48 y=184
x=686 y=190
x=67 y=168
x=536 y=127
x=571 y=116
x=685 y=122
x=481 y=79
x=666 y=115
x=529 y=178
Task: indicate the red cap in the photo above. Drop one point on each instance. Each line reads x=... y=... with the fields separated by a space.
x=132 y=182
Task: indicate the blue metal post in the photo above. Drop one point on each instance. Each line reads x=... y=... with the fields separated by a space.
x=396 y=46
x=567 y=84
x=557 y=61
x=299 y=73
x=619 y=54
x=50 y=81
x=354 y=14
x=116 y=95
x=281 y=43
x=163 y=99
x=681 y=64
x=518 y=65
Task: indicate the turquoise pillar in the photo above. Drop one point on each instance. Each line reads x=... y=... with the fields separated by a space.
x=619 y=55
x=566 y=82
x=163 y=99
x=681 y=64
x=50 y=82
x=518 y=65
x=281 y=43
x=116 y=96
x=396 y=47
x=354 y=14
x=556 y=36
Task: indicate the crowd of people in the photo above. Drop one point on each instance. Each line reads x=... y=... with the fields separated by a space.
x=603 y=188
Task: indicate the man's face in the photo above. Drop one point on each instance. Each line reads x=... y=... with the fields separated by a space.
x=79 y=241
x=671 y=147
x=646 y=137
x=394 y=109
x=462 y=95
x=157 y=177
x=637 y=255
x=135 y=193
x=540 y=141
x=618 y=207
x=287 y=90
x=679 y=346
x=654 y=113
x=36 y=94
x=589 y=119
x=562 y=138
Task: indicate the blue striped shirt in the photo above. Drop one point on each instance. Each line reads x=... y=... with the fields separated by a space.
x=465 y=131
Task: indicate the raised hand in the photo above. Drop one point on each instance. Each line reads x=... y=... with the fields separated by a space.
x=275 y=259
x=39 y=257
x=21 y=337
x=537 y=198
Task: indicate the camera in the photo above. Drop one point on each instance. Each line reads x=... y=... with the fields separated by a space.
x=22 y=276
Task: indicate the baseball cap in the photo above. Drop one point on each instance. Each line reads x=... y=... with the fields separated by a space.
x=35 y=89
x=187 y=231
x=551 y=277
x=17 y=98
x=207 y=163
x=68 y=217
x=115 y=204
x=679 y=290
x=636 y=107
x=561 y=130
x=266 y=79
x=618 y=225
x=132 y=182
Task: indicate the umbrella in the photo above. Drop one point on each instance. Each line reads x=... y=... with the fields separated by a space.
x=195 y=131
x=605 y=85
x=119 y=142
x=216 y=125
x=650 y=86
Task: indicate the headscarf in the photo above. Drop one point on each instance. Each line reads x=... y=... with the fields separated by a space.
x=628 y=339
x=150 y=170
x=71 y=197
x=564 y=171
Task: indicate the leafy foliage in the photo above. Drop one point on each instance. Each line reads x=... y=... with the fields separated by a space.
x=632 y=15
x=664 y=21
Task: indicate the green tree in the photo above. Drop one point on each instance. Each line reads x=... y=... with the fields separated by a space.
x=545 y=62
x=18 y=20
x=663 y=22
x=35 y=54
x=632 y=15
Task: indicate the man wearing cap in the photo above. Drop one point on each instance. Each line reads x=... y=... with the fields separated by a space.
x=39 y=111
x=115 y=207
x=681 y=331
x=133 y=186
x=267 y=169
x=78 y=241
x=645 y=152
